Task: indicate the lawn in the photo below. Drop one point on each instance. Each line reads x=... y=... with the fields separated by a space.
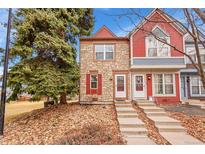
x=17 y=108
x=65 y=124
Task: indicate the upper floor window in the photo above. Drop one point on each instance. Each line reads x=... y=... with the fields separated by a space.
x=104 y=51
x=192 y=52
x=156 y=48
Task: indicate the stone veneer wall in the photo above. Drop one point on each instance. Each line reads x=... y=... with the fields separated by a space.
x=88 y=62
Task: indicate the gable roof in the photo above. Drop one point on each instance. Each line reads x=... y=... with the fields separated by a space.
x=163 y=14
x=104 y=32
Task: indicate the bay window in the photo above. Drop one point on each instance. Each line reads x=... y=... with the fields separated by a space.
x=164 y=84
x=197 y=86
x=104 y=51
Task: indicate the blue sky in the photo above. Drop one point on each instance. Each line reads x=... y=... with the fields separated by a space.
x=104 y=16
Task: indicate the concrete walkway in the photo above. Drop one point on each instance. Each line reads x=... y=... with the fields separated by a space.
x=168 y=127
x=131 y=127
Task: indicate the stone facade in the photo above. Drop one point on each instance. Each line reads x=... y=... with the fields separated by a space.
x=107 y=68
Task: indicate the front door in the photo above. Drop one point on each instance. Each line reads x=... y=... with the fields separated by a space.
x=120 y=86
x=139 y=88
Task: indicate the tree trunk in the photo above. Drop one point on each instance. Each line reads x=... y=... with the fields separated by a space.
x=63 y=98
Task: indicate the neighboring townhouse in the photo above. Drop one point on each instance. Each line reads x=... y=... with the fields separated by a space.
x=134 y=67
x=191 y=85
x=155 y=66
x=104 y=68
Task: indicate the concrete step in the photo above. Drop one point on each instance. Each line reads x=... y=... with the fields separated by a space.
x=143 y=101
x=121 y=102
x=134 y=135
x=180 y=138
x=139 y=140
x=134 y=129
x=122 y=113
x=168 y=123
x=127 y=133
x=127 y=116
x=126 y=112
x=134 y=121
x=145 y=104
x=123 y=105
x=125 y=109
x=164 y=120
x=170 y=128
x=156 y=113
x=132 y=125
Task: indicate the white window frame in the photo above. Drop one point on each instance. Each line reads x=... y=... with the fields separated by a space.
x=104 y=51
x=163 y=84
x=91 y=81
x=194 y=54
x=147 y=44
x=200 y=85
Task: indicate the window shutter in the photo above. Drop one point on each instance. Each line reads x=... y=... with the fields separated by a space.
x=87 y=84
x=99 y=84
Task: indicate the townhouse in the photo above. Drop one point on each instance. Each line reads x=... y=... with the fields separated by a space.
x=135 y=67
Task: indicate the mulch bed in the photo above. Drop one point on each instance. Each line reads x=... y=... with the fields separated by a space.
x=65 y=124
x=191 y=117
x=153 y=132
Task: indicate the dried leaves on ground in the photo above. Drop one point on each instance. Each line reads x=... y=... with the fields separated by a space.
x=153 y=132
x=65 y=124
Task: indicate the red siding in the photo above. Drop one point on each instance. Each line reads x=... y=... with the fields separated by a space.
x=176 y=38
x=104 y=32
x=87 y=84
x=99 y=84
x=170 y=99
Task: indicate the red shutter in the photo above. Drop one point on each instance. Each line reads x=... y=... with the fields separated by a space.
x=87 y=84
x=99 y=84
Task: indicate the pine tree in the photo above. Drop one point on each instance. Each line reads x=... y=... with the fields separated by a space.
x=45 y=48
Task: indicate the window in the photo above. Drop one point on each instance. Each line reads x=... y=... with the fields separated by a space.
x=192 y=52
x=104 y=51
x=94 y=82
x=197 y=86
x=164 y=84
x=120 y=83
x=156 y=48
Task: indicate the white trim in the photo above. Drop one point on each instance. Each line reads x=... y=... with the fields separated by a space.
x=125 y=86
x=179 y=86
x=144 y=83
x=91 y=80
x=149 y=16
x=184 y=47
x=131 y=48
x=164 y=95
x=147 y=47
x=104 y=51
x=130 y=86
x=157 y=26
